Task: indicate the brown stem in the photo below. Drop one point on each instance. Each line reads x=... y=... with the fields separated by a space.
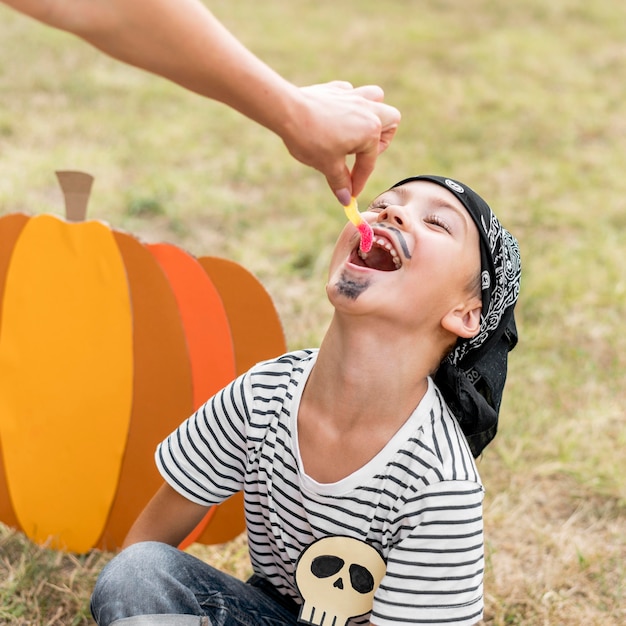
x=76 y=187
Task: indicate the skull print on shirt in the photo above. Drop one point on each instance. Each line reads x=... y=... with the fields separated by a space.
x=337 y=578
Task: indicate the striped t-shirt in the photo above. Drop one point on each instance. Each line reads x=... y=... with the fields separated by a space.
x=418 y=502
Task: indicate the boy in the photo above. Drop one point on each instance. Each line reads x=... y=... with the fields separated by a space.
x=363 y=502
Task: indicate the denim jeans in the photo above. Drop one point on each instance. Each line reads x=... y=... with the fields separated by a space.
x=154 y=584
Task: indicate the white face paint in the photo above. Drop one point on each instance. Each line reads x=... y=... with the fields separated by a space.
x=337 y=577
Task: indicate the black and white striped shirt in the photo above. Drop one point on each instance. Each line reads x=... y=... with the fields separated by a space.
x=418 y=502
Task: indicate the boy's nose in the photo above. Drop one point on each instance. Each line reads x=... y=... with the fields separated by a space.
x=392 y=214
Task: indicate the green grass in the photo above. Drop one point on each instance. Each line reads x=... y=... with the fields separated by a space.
x=524 y=101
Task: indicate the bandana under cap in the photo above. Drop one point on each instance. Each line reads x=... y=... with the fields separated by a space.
x=471 y=378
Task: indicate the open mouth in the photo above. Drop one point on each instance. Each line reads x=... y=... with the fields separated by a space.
x=382 y=257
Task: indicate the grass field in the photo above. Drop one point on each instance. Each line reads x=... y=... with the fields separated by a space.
x=525 y=101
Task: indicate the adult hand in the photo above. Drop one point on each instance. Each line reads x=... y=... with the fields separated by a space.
x=320 y=125
x=335 y=120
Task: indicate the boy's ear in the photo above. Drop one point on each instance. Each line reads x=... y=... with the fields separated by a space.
x=464 y=320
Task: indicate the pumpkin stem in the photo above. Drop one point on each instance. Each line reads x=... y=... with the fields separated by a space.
x=76 y=187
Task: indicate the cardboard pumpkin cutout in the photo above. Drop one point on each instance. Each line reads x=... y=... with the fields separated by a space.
x=106 y=345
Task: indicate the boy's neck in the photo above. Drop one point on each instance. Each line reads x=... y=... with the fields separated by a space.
x=368 y=374
x=361 y=391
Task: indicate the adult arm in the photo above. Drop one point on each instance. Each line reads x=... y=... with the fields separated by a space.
x=182 y=41
x=169 y=517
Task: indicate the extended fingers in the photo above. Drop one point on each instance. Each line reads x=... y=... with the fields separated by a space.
x=364 y=164
x=365 y=159
x=386 y=136
x=389 y=116
x=370 y=92
x=340 y=84
x=341 y=120
x=330 y=86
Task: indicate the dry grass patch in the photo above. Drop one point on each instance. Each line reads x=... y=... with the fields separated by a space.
x=556 y=554
x=41 y=587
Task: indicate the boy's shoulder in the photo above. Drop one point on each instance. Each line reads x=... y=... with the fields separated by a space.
x=265 y=380
x=443 y=449
x=295 y=360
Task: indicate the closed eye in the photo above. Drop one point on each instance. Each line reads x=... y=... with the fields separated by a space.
x=438 y=221
x=377 y=206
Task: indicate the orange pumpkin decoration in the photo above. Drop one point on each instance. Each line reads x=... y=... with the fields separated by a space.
x=106 y=345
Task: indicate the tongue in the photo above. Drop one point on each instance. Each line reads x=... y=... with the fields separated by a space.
x=380 y=259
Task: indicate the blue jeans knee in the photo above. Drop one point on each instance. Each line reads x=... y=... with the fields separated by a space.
x=152 y=578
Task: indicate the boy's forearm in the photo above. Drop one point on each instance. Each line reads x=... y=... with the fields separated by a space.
x=169 y=517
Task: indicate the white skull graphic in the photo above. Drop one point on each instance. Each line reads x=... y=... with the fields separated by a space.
x=337 y=577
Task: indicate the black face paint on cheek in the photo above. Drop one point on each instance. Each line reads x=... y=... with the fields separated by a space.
x=400 y=238
x=351 y=288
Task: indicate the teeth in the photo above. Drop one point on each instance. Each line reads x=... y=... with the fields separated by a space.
x=387 y=246
x=392 y=251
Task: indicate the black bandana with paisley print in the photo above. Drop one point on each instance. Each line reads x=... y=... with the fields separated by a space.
x=471 y=378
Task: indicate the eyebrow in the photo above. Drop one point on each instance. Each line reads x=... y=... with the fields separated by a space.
x=462 y=212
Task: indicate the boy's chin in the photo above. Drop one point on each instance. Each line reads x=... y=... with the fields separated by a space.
x=348 y=287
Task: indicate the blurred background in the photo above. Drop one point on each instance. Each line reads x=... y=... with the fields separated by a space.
x=524 y=101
